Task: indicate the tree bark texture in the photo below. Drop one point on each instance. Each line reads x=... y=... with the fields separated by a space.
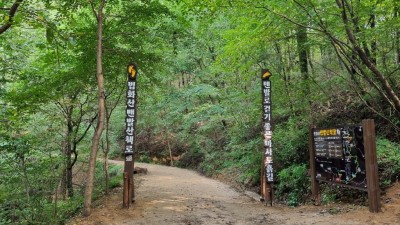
x=101 y=113
x=397 y=35
x=107 y=149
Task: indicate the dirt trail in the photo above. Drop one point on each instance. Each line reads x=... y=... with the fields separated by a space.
x=168 y=195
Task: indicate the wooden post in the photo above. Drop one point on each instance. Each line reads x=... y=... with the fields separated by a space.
x=314 y=182
x=263 y=181
x=268 y=178
x=371 y=165
x=266 y=188
x=270 y=193
x=125 y=202
x=130 y=137
x=128 y=169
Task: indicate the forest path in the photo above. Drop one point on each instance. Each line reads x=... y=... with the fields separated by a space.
x=170 y=195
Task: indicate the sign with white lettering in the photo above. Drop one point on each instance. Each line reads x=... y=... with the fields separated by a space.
x=130 y=131
x=267 y=125
x=130 y=120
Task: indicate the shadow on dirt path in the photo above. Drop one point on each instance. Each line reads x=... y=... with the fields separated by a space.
x=169 y=195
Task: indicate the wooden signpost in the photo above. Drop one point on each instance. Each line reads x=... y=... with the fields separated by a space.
x=130 y=131
x=345 y=156
x=267 y=172
x=371 y=165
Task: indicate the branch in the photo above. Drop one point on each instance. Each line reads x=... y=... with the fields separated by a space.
x=366 y=60
x=61 y=108
x=376 y=111
x=361 y=73
x=100 y=10
x=93 y=9
x=289 y=19
x=35 y=16
x=87 y=129
x=11 y=14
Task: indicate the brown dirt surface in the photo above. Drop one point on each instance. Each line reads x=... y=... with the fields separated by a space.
x=169 y=195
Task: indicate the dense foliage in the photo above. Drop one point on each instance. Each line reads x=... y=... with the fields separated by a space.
x=333 y=62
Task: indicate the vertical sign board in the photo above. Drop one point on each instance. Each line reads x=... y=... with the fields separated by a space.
x=130 y=131
x=268 y=169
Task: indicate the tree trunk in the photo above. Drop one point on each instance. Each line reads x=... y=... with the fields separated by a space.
x=286 y=77
x=397 y=36
x=107 y=150
x=303 y=62
x=101 y=113
x=66 y=180
x=67 y=152
x=374 y=45
x=170 y=151
x=62 y=189
x=302 y=51
x=106 y=171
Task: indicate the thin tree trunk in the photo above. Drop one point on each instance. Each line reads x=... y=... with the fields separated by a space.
x=374 y=45
x=62 y=189
x=397 y=36
x=170 y=151
x=26 y=178
x=286 y=78
x=101 y=112
x=302 y=51
x=67 y=152
x=303 y=61
x=106 y=171
x=107 y=150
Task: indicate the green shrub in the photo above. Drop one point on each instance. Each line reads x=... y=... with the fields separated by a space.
x=116 y=181
x=328 y=197
x=293 y=184
x=191 y=159
x=246 y=157
x=115 y=154
x=291 y=139
x=116 y=176
x=388 y=161
x=144 y=158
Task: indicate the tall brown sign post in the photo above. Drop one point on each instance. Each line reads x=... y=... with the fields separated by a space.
x=130 y=131
x=371 y=165
x=267 y=172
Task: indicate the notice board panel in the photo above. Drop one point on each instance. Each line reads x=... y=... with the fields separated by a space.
x=339 y=155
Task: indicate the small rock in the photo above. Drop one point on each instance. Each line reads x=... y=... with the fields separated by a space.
x=139 y=170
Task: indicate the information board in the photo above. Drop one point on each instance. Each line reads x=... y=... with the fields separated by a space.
x=339 y=155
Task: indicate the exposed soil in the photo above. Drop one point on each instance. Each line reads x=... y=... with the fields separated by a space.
x=169 y=195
